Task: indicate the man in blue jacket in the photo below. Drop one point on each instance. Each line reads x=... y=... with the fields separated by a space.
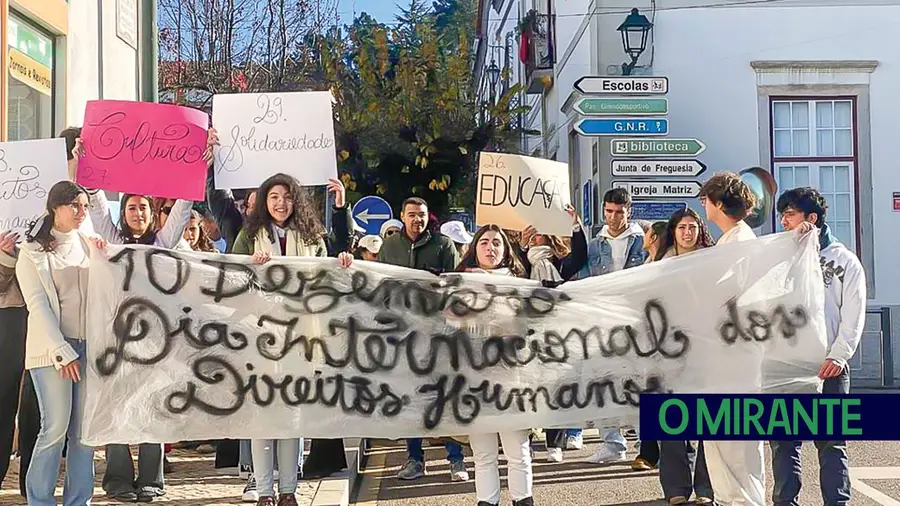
x=620 y=245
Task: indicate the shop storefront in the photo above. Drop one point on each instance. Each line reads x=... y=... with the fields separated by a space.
x=30 y=98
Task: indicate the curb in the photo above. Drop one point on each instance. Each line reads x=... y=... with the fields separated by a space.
x=335 y=490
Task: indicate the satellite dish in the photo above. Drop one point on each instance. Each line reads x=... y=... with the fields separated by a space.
x=763 y=185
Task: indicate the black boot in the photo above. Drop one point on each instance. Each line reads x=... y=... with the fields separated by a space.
x=528 y=501
x=485 y=503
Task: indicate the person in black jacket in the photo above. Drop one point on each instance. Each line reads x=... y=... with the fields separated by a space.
x=539 y=251
x=548 y=259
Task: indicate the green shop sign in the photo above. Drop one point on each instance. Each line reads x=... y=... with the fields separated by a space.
x=31 y=42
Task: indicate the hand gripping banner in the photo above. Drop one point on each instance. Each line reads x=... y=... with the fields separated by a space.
x=193 y=346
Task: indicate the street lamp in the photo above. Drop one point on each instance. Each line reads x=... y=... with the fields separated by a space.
x=493 y=74
x=634 y=32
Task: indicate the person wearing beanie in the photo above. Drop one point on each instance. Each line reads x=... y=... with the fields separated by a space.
x=390 y=228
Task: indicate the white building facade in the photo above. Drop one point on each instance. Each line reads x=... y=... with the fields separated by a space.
x=59 y=54
x=803 y=88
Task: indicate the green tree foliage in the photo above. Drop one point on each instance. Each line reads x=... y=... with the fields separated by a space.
x=407 y=118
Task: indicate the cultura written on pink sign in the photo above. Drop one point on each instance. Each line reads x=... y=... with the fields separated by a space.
x=144 y=148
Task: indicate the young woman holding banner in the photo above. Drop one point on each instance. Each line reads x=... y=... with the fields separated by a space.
x=283 y=223
x=137 y=225
x=52 y=270
x=492 y=253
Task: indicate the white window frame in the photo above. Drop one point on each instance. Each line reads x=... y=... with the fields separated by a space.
x=815 y=162
x=815 y=182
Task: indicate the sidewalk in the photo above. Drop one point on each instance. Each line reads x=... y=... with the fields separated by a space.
x=194 y=481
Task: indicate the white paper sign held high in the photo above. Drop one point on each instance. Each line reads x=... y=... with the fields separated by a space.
x=262 y=134
x=28 y=169
x=517 y=191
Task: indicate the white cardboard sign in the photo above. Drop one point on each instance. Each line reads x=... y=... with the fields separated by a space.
x=28 y=169
x=262 y=134
x=516 y=191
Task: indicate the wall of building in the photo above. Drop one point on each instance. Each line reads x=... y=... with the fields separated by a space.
x=724 y=63
x=90 y=59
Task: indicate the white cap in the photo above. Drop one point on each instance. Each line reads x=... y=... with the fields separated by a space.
x=391 y=224
x=372 y=243
x=456 y=230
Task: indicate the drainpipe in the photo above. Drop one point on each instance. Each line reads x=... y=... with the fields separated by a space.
x=149 y=51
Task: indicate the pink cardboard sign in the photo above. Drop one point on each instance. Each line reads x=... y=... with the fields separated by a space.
x=144 y=148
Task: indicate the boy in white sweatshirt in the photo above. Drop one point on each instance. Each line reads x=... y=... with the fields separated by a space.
x=845 y=314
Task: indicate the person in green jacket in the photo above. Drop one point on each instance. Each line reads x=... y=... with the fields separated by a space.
x=415 y=246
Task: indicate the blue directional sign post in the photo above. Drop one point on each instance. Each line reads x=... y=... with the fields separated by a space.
x=655 y=211
x=622 y=126
x=371 y=212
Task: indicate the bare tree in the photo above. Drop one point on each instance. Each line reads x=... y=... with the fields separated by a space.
x=240 y=45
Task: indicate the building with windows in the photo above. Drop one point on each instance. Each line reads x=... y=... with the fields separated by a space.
x=59 y=54
x=805 y=89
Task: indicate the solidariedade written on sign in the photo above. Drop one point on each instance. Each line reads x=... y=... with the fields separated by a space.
x=517 y=191
x=200 y=346
x=28 y=169
x=262 y=134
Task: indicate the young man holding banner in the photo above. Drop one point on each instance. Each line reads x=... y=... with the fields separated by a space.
x=845 y=317
x=416 y=247
x=619 y=246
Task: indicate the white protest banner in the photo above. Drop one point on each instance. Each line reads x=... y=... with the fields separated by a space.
x=28 y=169
x=192 y=346
x=516 y=191
x=262 y=134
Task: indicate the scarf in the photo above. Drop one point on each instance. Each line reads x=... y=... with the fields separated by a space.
x=825 y=237
x=294 y=245
x=542 y=268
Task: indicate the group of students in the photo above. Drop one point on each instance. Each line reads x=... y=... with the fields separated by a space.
x=46 y=276
x=720 y=472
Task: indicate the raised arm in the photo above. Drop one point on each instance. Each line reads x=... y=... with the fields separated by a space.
x=577 y=258
x=101 y=218
x=222 y=206
x=173 y=230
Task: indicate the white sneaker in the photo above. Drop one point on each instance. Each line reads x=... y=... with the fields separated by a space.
x=250 y=493
x=606 y=454
x=574 y=442
x=554 y=455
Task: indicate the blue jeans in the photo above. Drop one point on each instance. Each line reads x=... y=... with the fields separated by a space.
x=414 y=450
x=288 y=453
x=61 y=403
x=615 y=439
x=245 y=454
x=834 y=472
x=682 y=470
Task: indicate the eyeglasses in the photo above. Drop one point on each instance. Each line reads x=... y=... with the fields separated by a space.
x=391 y=232
x=166 y=210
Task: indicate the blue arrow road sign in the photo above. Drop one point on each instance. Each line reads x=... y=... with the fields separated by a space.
x=655 y=211
x=371 y=212
x=623 y=126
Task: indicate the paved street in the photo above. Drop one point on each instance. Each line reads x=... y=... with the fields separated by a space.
x=193 y=482
x=575 y=482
